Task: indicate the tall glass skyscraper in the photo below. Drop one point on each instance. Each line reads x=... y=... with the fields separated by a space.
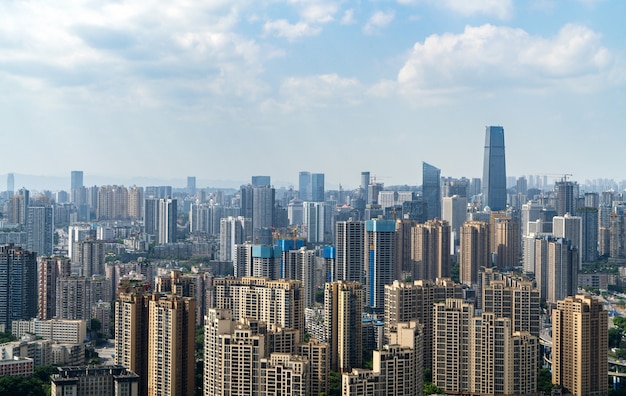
x=431 y=190
x=494 y=169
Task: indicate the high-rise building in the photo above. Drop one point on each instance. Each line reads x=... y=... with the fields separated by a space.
x=112 y=203
x=451 y=347
x=10 y=184
x=135 y=203
x=88 y=256
x=317 y=187
x=342 y=324
x=579 y=345
x=74 y=296
x=494 y=169
x=365 y=180
x=317 y=220
x=379 y=260
x=561 y=269
x=570 y=227
x=262 y=211
x=158 y=191
x=350 y=256
x=171 y=342
x=18 y=207
x=50 y=269
x=40 y=225
x=454 y=211
x=617 y=236
x=482 y=354
x=154 y=337
x=431 y=250
x=167 y=217
x=76 y=180
x=397 y=367
x=403 y=266
x=518 y=302
x=474 y=251
x=431 y=190
x=566 y=193
x=78 y=232
x=131 y=330
x=232 y=353
x=232 y=232
x=151 y=216
x=408 y=301
x=191 y=185
x=276 y=302
x=304 y=186
x=18 y=285
x=508 y=242
x=318 y=355
x=502 y=360
x=589 y=247
x=261 y=181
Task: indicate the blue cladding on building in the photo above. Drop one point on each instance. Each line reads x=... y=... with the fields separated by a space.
x=380 y=226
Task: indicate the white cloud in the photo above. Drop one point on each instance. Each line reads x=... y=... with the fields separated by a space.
x=282 y=28
x=490 y=56
x=498 y=8
x=317 y=91
x=319 y=12
x=348 y=17
x=378 y=20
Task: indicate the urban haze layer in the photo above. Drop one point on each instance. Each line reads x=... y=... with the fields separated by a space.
x=490 y=285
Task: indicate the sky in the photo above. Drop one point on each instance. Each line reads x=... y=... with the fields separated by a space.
x=226 y=89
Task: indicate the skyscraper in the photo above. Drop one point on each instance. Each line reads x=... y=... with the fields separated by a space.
x=430 y=245
x=379 y=260
x=40 y=226
x=261 y=181
x=10 y=184
x=570 y=227
x=431 y=190
x=566 y=194
x=589 y=248
x=454 y=211
x=232 y=232
x=191 y=185
x=342 y=324
x=474 y=251
x=76 y=180
x=167 y=227
x=350 y=244
x=171 y=342
x=494 y=169
x=507 y=242
x=304 y=185
x=50 y=269
x=579 y=345
x=406 y=301
x=18 y=285
x=317 y=187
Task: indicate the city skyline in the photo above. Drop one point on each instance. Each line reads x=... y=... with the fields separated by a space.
x=219 y=85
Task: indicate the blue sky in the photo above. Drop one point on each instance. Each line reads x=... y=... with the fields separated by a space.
x=223 y=89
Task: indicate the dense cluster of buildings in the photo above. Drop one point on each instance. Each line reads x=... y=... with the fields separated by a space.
x=300 y=283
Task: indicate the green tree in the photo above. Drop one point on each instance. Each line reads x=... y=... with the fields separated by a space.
x=23 y=386
x=455 y=272
x=334 y=384
x=7 y=336
x=319 y=296
x=544 y=382
x=431 y=389
x=615 y=337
